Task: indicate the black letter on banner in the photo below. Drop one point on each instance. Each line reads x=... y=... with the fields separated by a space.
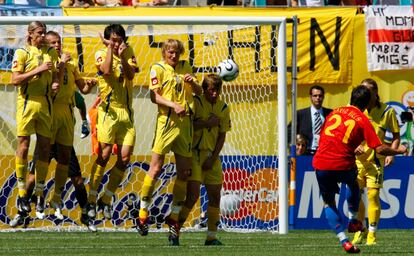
x=273 y=53
x=151 y=40
x=255 y=44
x=333 y=57
x=191 y=55
x=79 y=47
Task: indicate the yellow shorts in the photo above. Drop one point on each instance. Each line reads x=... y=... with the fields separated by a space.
x=115 y=125
x=63 y=125
x=34 y=116
x=370 y=176
x=209 y=177
x=173 y=134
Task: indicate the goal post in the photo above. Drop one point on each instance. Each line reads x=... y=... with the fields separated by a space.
x=256 y=86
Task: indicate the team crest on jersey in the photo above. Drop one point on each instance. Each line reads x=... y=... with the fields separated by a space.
x=154 y=81
x=14 y=64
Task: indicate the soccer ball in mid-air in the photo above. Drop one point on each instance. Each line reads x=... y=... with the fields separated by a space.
x=228 y=70
x=229 y=204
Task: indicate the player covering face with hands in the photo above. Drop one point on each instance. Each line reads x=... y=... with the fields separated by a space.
x=116 y=66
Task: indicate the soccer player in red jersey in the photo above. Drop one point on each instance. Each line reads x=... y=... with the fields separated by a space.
x=343 y=131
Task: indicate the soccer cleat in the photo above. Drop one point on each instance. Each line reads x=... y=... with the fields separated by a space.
x=213 y=242
x=142 y=226
x=349 y=248
x=58 y=210
x=174 y=231
x=40 y=207
x=355 y=225
x=85 y=129
x=23 y=205
x=18 y=220
x=88 y=222
x=105 y=208
x=91 y=210
x=371 y=238
x=360 y=236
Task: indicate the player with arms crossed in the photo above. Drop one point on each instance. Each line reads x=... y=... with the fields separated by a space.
x=172 y=85
x=371 y=165
x=343 y=131
x=116 y=65
x=211 y=123
x=34 y=72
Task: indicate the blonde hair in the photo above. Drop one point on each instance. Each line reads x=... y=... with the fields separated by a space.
x=300 y=138
x=212 y=79
x=32 y=26
x=172 y=43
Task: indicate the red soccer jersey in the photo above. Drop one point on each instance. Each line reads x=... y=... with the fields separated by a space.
x=343 y=131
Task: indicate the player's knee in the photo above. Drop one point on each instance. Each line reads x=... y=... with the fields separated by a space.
x=191 y=199
x=77 y=182
x=124 y=161
x=183 y=174
x=23 y=150
x=214 y=201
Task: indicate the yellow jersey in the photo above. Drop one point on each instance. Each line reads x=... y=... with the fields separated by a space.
x=171 y=83
x=206 y=138
x=383 y=118
x=27 y=59
x=67 y=90
x=115 y=89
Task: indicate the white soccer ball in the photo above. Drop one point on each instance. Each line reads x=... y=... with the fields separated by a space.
x=228 y=70
x=229 y=204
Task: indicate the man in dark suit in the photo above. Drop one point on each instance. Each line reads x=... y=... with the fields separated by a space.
x=310 y=120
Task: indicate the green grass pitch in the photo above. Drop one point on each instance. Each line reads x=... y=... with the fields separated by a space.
x=297 y=242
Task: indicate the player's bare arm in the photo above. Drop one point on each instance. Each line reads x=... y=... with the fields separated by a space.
x=128 y=69
x=56 y=82
x=62 y=64
x=106 y=66
x=19 y=78
x=389 y=151
x=85 y=85
x=359 y=150
x=212 y=121
x=396 y=139
x=194 y=85
x=159 y=100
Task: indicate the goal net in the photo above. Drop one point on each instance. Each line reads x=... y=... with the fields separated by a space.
x=254 y=154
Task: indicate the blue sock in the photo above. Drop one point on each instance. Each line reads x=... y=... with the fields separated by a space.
x=353 y=197
x=334 y=219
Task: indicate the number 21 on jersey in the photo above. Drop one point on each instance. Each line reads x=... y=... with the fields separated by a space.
x=349 y=124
